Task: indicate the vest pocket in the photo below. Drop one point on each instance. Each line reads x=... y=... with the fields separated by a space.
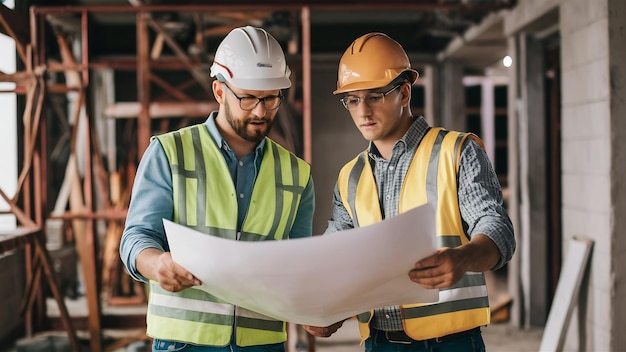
x=162 y=345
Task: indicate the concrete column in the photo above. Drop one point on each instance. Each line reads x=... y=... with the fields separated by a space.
x=533 y=182
x=617 y=73
x=513 y=203
x=432 y=99
x=488 y=118
x=537 y=181
x=453 y=97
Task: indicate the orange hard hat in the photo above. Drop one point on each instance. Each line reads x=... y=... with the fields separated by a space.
x=372 y=61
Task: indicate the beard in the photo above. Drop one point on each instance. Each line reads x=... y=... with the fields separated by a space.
x=244 y=129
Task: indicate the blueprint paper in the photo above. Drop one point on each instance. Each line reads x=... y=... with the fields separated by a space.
x=313 y=281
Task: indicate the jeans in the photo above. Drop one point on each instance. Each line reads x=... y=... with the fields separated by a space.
x=161 y=345
x=466 y=343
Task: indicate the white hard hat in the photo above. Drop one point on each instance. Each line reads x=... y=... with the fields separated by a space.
x=250 y=58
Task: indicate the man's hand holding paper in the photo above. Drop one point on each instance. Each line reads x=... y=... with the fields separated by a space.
x=315 y=281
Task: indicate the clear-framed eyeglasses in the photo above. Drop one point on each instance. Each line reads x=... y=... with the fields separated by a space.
x=271 y=102
x=351 y=102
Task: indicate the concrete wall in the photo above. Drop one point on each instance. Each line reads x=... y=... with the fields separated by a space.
x=586 y=161
x=593 y=102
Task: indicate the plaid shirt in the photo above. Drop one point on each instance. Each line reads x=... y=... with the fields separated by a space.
x=479 y=192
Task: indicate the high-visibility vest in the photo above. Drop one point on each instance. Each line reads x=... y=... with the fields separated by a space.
x=431 y=178
x=205 y=199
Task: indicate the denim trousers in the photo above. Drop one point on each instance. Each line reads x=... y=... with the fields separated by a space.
x=465 y=343
x=173 y=346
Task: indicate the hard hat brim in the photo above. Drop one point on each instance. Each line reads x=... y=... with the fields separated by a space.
x=261 y=84
x=365 y=85
x=361 y=86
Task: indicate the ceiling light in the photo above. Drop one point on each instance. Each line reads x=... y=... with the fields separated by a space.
x=507 y=61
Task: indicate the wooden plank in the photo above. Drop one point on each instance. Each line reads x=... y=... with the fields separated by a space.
x=157 y=47
x=21 y=77
x=143 y=83
x=22 y=217
x=32 y=286
x=566 y=296
x=72 y=78
x=196 y=72
x=161 y=110
x=169 y=88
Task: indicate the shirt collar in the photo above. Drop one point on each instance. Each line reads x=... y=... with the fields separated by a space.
x=409 y=141
x=219 y=140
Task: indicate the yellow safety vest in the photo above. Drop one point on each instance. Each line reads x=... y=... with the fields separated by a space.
x=431 y=178
x=205 y=199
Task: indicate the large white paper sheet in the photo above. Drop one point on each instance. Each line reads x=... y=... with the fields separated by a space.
x=313 y=281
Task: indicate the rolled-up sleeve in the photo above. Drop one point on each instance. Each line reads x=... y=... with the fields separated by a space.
x=151 y=202
x=480 y=201
x=341 y=219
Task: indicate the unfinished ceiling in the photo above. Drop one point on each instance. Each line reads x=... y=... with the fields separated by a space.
x=426 y=28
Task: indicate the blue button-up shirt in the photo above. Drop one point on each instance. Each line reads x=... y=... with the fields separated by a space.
x=152 y=199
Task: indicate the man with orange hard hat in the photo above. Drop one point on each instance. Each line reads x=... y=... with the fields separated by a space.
x=409 y=163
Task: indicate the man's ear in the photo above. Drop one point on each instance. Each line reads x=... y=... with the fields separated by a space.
x=218 y=92
x=405 y=91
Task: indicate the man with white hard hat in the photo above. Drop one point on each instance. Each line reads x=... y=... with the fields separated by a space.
x=226 y=178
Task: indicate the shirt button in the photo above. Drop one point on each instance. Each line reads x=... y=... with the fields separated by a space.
x=387 y=197
x=240 y=163
x=391 y=168
x=241 y=195
x=387 y=316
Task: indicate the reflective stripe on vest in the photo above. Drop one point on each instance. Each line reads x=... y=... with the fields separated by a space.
x=432 y=178
x=204 y=199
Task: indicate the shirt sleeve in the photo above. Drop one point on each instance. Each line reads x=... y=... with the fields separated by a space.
x=341 y=219
x=151 y=202
x=480 y=201
x=303 y=223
